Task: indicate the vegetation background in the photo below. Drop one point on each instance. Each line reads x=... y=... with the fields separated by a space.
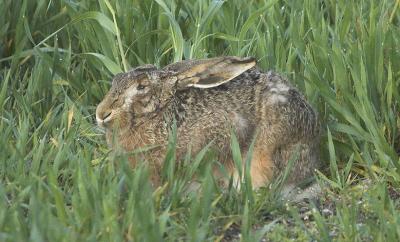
x=60 y=182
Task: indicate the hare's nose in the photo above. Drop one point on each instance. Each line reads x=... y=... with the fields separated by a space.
x=103 y=116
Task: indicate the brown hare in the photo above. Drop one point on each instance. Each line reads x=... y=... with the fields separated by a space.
x=208 y=99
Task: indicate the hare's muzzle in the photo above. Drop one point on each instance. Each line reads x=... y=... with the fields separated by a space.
x=103 y=117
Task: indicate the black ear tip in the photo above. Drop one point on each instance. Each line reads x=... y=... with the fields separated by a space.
x=250 y=59
x=244 y=60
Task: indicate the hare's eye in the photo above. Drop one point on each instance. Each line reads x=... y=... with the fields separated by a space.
x=140 y=87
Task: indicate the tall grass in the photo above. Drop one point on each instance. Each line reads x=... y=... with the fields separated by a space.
x=60 y=182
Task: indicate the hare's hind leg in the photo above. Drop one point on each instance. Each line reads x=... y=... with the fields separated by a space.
x=261 y=169
x=262 y=166
x=263 y=163
x=306 y=160
x=269 y=161
x=299 y=184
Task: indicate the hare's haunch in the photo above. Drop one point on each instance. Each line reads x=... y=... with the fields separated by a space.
x=207 y=99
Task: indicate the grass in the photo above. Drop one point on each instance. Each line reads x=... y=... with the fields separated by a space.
x=60 y=182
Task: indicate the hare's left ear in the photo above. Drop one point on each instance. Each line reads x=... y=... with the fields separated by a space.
x=209 y=73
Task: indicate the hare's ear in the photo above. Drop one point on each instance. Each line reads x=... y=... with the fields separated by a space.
x=213 y=72
x=146 y=67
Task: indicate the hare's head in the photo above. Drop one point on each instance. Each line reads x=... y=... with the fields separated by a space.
x=146 y=90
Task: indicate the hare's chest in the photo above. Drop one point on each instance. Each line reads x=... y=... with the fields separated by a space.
x=136 y=139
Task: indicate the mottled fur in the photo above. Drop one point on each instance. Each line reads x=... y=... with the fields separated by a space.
x=208 y=98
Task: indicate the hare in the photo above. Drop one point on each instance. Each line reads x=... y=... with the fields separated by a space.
x=207 y=99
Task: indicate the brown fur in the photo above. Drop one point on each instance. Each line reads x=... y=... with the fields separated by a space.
x=207 y=99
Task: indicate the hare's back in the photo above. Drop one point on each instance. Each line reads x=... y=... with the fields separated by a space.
x=283 y=106
x=270 y=101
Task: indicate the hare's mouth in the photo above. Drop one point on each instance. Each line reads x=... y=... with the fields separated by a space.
x=105 y=120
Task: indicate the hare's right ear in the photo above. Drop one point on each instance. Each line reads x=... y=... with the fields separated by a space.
x=213 y=72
